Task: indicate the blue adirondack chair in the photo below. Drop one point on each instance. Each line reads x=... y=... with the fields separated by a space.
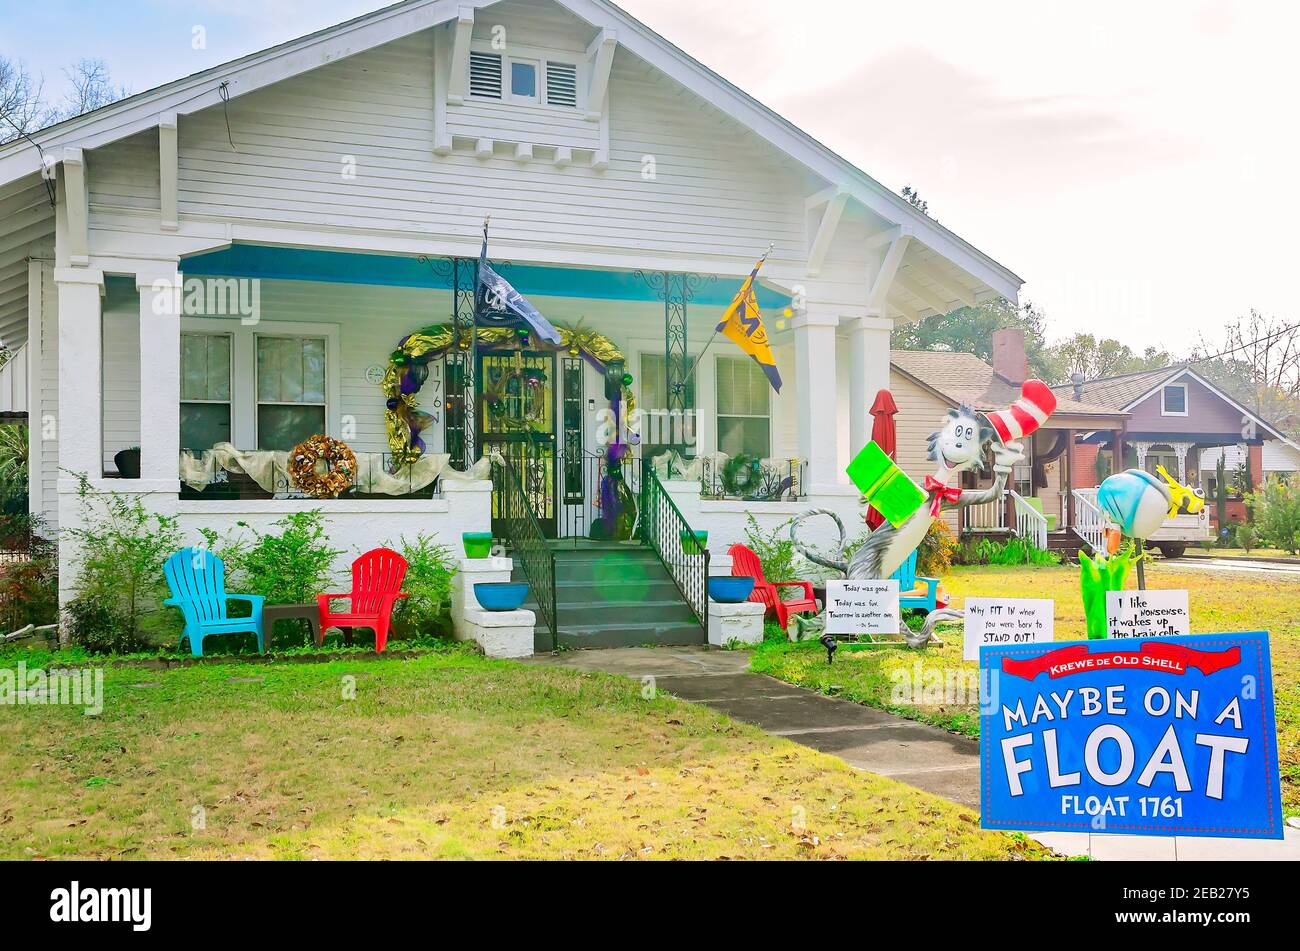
x=908 y=582
x=197 y=579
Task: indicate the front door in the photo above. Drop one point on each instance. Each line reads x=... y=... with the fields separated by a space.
x=516 y=418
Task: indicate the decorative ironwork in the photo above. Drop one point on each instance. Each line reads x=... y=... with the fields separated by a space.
x=571 y=377
x=772 y=481
x=676 y=290
x=528 y=545
x=668 y=535
x=224 y=486
x=461 y=275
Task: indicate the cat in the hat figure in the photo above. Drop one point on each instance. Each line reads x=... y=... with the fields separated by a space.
x=960 y=446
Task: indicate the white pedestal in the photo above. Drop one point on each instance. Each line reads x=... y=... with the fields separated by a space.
x=741 y=622
x=499 y=633
x=472 y=571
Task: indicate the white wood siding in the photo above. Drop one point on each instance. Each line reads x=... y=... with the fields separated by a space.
x=47 y=416
x=919 y=414
x=121 y=369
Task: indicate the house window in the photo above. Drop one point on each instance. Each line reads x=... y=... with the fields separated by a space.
x=205 y=390
x=1161 y=455
x=290 y=390
x=523 y=80
x=1173 y=400
x=744 y=408
x=659 y=430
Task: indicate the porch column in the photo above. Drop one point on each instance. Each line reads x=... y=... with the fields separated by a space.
x=160 y=372
x=1117 y=444
x=814 y=355
x=868 y=374
x=81 y=371
x=1068 y=473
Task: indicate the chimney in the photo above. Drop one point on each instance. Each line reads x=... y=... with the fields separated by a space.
x=1009 y=361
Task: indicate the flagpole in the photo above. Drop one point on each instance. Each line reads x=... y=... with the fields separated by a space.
x=695 y=365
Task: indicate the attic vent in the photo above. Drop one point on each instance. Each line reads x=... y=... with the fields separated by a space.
x=485 y=75
x=561 y=84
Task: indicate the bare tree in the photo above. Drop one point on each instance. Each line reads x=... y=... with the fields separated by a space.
x=92 y=87
x=22 y=108
x=1258 y=363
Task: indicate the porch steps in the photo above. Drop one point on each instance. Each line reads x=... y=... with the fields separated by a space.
x=1068 y=542
x=613 y=595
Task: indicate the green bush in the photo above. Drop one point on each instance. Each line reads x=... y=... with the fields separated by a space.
x=1276 y=509
x=775 y=551
x=122 y=546
x=98 y=625
x=29 y=589
x=1013 y=551
x=429 y=574
x=1245 y=536
x=290 y=566
x=934 y=556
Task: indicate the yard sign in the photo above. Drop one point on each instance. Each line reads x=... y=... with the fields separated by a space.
x=1153 y=736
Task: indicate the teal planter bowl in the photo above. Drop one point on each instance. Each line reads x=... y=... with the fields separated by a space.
x=477 y=544
x=501 y=595
x=730 y=589
x=694 y=543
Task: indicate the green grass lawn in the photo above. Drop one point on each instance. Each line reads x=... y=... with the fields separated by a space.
x=446 y=755
x=1219 y=602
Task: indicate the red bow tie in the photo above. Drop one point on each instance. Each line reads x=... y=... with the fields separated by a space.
x=940 y=493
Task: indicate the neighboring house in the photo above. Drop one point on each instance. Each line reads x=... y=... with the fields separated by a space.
x=926 y=384
x=1179 y=420
x=337 y=185
x=1279 y=458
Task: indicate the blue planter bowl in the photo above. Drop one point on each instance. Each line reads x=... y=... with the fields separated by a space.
x=730 y=589
x=501 y=595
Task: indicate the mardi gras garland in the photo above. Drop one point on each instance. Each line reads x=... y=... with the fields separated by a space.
x=408 y=368
x=337 y=479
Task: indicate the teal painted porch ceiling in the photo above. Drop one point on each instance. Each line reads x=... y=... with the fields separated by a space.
x=350 y=267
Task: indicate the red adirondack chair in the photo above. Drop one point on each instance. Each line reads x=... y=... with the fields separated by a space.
x=376 y=585
x=745 y=563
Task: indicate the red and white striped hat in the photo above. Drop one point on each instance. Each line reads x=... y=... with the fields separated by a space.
x=1036 y=403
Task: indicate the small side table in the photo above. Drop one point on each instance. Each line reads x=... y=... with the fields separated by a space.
x=310 y=612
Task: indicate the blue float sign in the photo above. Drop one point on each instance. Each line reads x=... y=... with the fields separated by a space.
x=1151 y=736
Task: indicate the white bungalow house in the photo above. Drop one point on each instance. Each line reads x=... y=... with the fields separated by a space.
x=326 y=198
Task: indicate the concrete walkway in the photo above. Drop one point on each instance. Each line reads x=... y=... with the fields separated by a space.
x=864 y=737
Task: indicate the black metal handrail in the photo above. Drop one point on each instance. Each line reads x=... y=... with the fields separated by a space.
x=664 y=530
x=528 y=545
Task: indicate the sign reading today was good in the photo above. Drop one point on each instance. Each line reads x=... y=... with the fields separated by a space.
x=862 y=607
x=1147 y=613
x=1000 y=621
x=1161 y=736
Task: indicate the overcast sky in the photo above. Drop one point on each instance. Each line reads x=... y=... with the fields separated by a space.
x=1134 y=162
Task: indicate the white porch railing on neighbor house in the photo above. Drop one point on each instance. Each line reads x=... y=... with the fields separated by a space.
x=1088 y=519
x=989 y=517
x=13 y=383
x=1030 y=523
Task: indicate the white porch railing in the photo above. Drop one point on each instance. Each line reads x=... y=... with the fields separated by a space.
x=988 y=517
x=1030 y=523
x=1089 y=522
x=13 y=383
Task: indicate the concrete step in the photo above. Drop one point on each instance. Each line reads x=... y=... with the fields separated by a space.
x=611 y=633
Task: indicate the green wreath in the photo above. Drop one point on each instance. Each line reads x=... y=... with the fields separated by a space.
x=741 y=475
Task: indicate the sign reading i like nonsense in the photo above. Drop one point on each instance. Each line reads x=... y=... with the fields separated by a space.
x=1160 y=736
x=1147 y=613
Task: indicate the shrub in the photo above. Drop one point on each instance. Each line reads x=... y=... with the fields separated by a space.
x=775 y=551
x=428 y=584
x=288 y=567
x=98 y=624
x=122 y=546
x=1245 y=535
x=1013 y=551
x=29 y=589
x=1276 y=507
x=934 y=556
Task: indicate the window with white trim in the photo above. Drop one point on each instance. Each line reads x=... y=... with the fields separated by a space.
x=523 y=79
x=744 y=408
x=290 y=390
x=1173 y=399
x=659 y=429
x=205 y=390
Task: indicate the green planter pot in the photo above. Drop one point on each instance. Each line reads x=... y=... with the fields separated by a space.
x=694 y=543
x=477 y=544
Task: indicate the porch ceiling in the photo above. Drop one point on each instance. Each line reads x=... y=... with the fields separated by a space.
x=349 y=267
x=26 y=229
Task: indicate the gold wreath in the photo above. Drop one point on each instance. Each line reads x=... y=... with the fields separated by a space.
x=342 y=463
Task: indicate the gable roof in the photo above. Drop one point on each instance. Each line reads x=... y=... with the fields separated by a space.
x=1127 y=390
x=965 y=378
x=242 y=76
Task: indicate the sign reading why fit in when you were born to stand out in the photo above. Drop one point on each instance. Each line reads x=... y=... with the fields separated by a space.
x=994 y=622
